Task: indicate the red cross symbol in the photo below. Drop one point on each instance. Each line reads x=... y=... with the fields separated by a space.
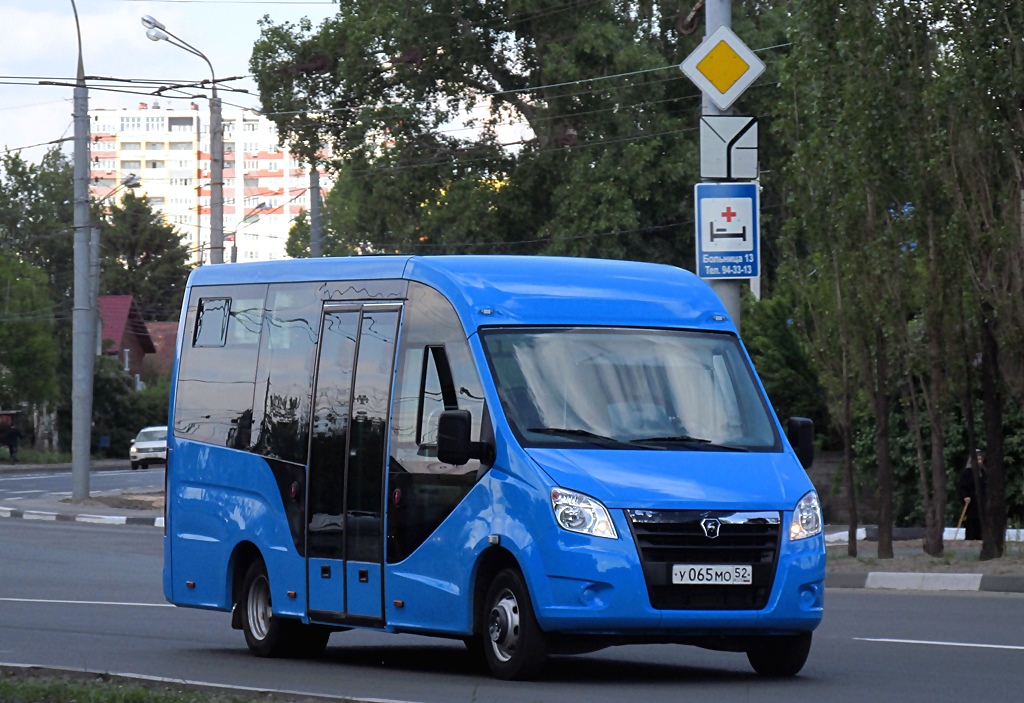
x=729 y=214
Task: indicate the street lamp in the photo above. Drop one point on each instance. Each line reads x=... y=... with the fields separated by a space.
x=244 y=223
x=130 y=181
x=157 y=31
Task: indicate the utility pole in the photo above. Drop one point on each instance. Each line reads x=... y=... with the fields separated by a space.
x=94 y=290
x=216 y=178
x=82 y=352
x=718 y=13
x=315 y=227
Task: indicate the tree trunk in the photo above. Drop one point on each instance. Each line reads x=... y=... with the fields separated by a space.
x=991 y=485
x=882 y=403
x=937 y=390
x=851 y=492
x=931 y=545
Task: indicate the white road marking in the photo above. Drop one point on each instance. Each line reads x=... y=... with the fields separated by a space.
x=942 y=644
x=14 y=493
x=85 y=602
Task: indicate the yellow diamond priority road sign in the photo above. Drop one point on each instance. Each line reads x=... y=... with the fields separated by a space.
x=723 y=67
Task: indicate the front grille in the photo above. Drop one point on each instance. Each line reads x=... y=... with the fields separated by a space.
x=667 y=537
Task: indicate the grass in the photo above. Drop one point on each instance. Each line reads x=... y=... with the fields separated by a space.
x=31 y=685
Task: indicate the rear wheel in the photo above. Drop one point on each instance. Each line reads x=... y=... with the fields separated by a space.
x=135 y=465
x=513 y=644
x=264 y=634
x=780 y=656
x=268 y=635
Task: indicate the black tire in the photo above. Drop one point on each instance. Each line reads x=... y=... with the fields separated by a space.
x=265 y=634
x=513 y=644
x=135 y=466
x=268 y=635
x=781 y=655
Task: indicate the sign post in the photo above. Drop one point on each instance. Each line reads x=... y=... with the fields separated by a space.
x=726 y=211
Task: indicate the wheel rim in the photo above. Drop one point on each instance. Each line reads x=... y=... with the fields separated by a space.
x=259 y=608
x=503 y=626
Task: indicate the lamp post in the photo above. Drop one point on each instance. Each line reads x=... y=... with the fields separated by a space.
x=244 y=223
x=129 y=181
x=158 y=32
x=82 y=358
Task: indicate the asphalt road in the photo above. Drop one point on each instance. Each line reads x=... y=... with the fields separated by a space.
x=89 y=597
x=16 y=486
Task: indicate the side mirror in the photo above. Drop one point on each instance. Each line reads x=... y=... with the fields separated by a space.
x=801 y=435
x=453 y=437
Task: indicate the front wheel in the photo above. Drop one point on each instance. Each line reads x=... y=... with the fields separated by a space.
x=513 y=644
x=135 y=466
x=780 y=656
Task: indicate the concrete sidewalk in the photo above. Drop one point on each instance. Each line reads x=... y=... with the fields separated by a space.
x=103 y=507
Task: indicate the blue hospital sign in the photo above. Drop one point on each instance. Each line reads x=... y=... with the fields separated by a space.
x=728 y=240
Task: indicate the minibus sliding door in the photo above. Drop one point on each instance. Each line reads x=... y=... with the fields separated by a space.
x=347 y=458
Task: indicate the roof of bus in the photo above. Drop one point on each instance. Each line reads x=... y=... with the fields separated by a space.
x=496 y=290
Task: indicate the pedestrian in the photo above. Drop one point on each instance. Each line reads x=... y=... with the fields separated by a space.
x=13 y=435
x=969 y=494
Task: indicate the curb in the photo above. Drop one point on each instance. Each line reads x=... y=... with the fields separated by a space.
x=992 y=583
x=82 y=517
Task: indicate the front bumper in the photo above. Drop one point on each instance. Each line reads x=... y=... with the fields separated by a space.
x=597 y=586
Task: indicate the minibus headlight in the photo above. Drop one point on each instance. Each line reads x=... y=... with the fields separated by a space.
x=807 y=520
x=581 y=513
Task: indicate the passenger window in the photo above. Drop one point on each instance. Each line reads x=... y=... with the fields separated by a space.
x=211 y=322
x=436 y=371
x=285 y=378
x=217 y=376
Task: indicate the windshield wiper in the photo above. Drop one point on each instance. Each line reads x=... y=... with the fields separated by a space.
x=687 y=439
x=584 y=434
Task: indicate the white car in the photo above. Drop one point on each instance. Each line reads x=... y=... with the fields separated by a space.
x=149 y=447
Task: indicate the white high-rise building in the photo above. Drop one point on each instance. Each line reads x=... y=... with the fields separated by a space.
x=265 y=188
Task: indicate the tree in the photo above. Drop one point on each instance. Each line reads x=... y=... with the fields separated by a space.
x=606 y=161
x=28 y=355
x=143 y=257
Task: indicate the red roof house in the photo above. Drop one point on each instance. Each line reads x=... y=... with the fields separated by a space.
x=123 y=332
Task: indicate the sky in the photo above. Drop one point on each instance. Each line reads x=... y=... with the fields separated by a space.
x=38 y=40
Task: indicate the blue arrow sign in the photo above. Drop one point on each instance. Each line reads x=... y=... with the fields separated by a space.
x=728 y=235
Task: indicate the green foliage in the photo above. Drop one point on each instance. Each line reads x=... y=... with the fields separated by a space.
x=28 y=355
x=143 y=257
x=119 y=411
x=36 y=215
x=781 y=359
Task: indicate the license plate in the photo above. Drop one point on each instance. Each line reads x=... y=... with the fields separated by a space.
x=711 y=574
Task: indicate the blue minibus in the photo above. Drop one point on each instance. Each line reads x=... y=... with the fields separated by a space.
x=533 y=455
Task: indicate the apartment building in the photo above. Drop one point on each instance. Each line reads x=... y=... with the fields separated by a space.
x=265 y=187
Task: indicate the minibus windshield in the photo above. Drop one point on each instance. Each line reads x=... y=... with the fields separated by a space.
x=628 y=388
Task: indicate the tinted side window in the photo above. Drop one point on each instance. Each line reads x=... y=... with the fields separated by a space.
x=211 y=326
x=422 y=490
x=284 y=383
x=214 y=395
